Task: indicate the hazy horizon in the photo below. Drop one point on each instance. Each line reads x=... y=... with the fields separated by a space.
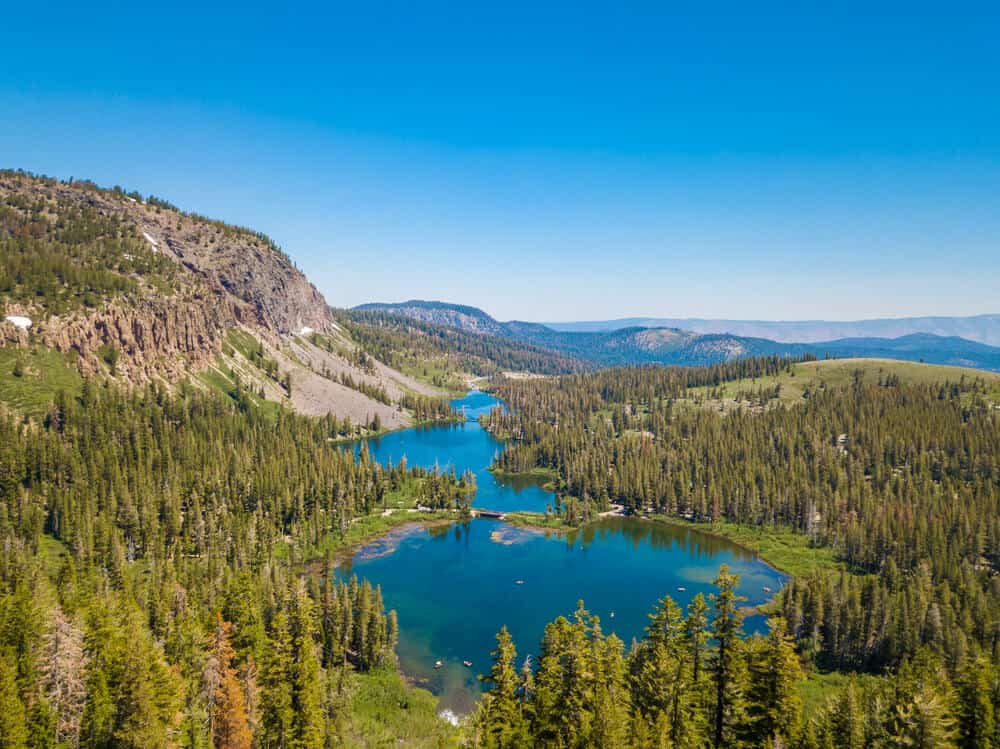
x=705 y=318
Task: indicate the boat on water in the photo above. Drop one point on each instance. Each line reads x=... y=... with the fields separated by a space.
x=467 y=664
x=438 y=664
x=681 y=588
x=767 y=589
x=519 y=582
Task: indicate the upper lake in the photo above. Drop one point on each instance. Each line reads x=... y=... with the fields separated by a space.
x=453 y=586
x=465 y=447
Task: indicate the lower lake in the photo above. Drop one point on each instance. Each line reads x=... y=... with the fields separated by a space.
x=454 y=585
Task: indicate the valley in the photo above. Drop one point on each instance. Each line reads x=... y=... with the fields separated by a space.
x=251 y=509
x=451 y=583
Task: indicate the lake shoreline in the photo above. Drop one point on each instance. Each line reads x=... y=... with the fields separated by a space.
x=454 y=582
x=555 y=524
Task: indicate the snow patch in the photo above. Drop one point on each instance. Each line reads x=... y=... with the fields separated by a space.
x=23 y=323
x=152 y=241
x=448 y=717
x=306 y=330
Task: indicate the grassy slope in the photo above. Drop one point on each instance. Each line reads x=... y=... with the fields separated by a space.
x=44 y=373
x=386 y=712
x=839 y=372
x=782 y=548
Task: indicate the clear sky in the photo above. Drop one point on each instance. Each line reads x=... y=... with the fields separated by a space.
x=548 y=161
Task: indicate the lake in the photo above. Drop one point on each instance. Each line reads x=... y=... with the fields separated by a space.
x=453 y=586
x=463 y=446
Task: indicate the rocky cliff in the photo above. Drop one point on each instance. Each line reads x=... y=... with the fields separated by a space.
x=135 y=288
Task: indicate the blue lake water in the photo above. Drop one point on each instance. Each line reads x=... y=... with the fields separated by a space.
x=463 y=446
x=453 y=586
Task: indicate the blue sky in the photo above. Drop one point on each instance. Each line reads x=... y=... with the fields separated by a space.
x=571 y=161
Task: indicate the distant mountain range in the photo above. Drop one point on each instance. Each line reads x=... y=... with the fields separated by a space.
x=637 y=344
x=981 y=328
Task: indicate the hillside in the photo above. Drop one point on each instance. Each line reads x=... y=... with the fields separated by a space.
x=793 y=384
x=674 y=346
x=103 y=283
x=463 y=317
x=447 y=355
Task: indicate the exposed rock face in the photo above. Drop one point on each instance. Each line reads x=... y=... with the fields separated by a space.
x=226 y=276
x=239 y=264
x=175 y=321
x=155 y=336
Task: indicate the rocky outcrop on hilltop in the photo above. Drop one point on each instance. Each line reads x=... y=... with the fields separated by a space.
x=164 y=323
x=135 y=288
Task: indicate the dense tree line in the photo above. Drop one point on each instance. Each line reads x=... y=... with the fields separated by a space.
x=408 y=345
x=694 y=680
x=903 y=481
x=152 y=581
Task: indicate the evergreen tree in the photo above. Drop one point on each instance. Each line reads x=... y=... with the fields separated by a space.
x=500 y=720
x=230 y=726
x=727 y=666
x=774 y=706
x=925 y=723
x=977 y=722
x=13 y=731
x=845 y=721
x=305 y=674
x=278 y=718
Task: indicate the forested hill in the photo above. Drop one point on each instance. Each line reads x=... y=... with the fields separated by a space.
x=412 y=344
x=103 y=283
x=879 y=483
x=674 y=346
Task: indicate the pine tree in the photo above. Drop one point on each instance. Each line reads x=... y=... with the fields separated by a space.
x=500 y=719
x=230 y=727
x=845 y=721
x=276 y=682
x=305 y=674
x=774 y=706
x=977 y=723
x=728 y=673
x=13 y=731
x=611 y=705
x=926 y=722
x=662 y=685
x=97 y=722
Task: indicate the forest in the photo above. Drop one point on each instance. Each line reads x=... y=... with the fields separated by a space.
x=694 y=680
x=160 y=587
x=901 y=480
x=64 y=256
x=154 y=589
x=168 y=553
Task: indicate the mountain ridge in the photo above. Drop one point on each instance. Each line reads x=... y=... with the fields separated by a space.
x=675 y=346
x=984 y=328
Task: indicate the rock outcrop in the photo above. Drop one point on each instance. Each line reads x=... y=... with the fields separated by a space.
x=170 y=321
